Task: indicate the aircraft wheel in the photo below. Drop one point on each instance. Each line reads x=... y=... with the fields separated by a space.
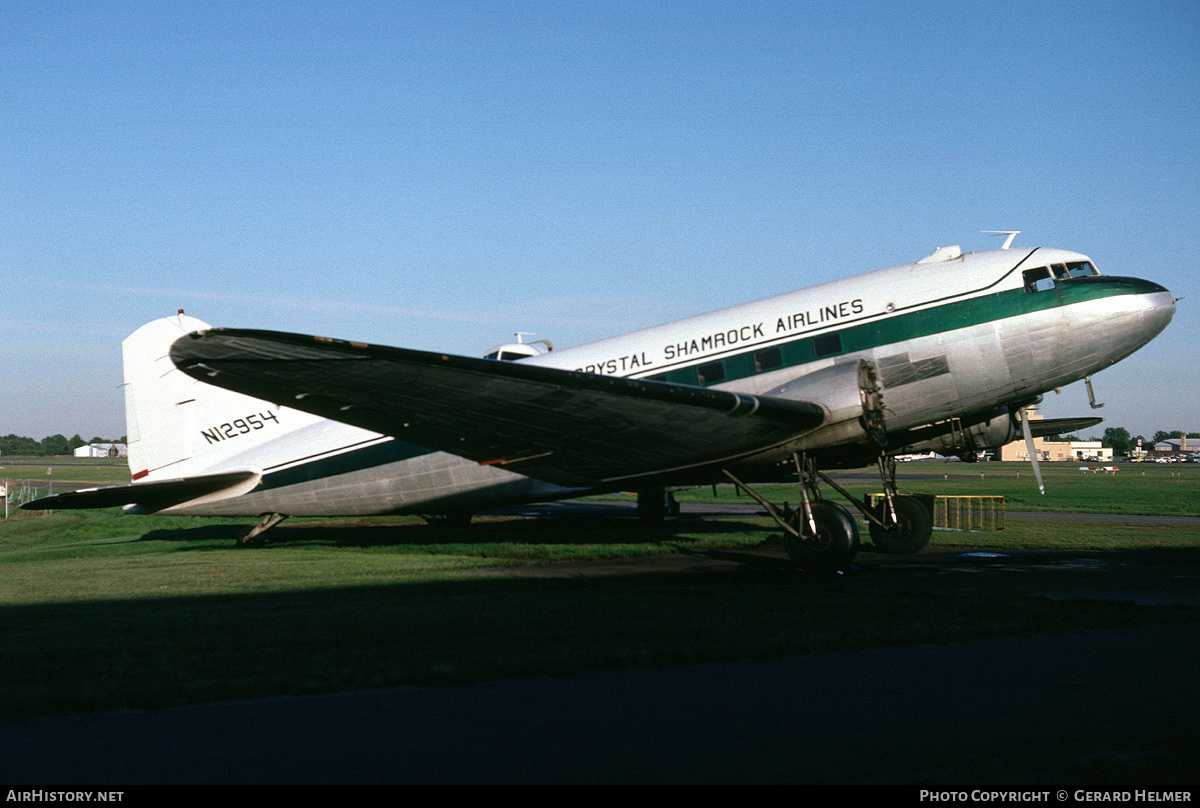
x=833 y=546
x=912 y=532
x=653 y=505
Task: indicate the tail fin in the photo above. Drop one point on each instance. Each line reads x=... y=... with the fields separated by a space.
x=176 y=425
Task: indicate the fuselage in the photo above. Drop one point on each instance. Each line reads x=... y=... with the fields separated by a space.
x=951 y=340
x=973 y=320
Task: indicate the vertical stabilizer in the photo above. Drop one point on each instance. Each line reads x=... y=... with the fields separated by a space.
x=159 y=420
x=168 y=414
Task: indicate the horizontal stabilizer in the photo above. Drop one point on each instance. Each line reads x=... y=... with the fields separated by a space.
x=1045 y=427
x=150 y=496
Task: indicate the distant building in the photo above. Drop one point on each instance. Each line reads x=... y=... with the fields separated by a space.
x=1090 y=450
x=1052 y=450
x=102 y=450
x=1176 y=446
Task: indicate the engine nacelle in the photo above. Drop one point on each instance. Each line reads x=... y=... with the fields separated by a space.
x=954 y=438
x=851 y=395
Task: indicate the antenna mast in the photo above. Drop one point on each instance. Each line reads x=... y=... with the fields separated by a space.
x=1008 y=241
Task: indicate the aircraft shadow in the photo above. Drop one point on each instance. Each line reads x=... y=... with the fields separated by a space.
x=556 y=529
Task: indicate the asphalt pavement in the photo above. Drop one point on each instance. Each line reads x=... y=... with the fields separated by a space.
x=1091 y=708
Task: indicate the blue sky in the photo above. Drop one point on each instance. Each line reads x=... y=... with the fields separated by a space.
x=439 y=175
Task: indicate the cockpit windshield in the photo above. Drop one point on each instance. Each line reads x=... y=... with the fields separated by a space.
x=1042 y=278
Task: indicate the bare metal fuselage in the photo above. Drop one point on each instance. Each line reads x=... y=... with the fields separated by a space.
x=953 y=342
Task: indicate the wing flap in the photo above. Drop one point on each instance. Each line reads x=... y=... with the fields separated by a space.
x=149 y=497
x=565 y=427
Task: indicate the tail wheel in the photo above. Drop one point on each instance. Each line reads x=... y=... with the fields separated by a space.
x=834 y=544
x=910 y=534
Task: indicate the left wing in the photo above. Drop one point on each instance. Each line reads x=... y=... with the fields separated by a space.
x=565 y=427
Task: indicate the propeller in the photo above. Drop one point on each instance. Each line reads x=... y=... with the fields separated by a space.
x=1037 y=469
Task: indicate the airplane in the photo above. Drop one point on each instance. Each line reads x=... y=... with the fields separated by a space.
x=944 y=355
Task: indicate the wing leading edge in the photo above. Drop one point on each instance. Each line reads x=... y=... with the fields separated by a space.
x=565 y=427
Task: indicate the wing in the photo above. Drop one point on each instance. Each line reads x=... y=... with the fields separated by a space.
x=564 y=427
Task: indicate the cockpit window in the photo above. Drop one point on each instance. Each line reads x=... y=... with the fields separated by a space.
x=1038 y=279
x=1080 y=269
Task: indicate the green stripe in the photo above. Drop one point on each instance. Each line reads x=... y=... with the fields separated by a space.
x=925 y=323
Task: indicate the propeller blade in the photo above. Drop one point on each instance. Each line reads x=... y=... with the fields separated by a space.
x=1037 y=469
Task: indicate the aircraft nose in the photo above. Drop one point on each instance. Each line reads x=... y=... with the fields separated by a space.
x=1127 y=313
x=1160 y=307
x=1151 y=305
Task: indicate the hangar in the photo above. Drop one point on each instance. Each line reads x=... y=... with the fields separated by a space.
x=102 y=450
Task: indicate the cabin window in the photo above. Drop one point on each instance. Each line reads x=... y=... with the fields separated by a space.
x=827 y=345
x=768 y=359
x=1037 y=280
x=711 y=373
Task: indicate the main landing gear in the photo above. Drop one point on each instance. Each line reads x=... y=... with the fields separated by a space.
x=823 y=535
x=899 y=524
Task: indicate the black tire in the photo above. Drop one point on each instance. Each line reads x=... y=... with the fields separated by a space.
x=835 y=544
x=910 y=535
x=652 y=505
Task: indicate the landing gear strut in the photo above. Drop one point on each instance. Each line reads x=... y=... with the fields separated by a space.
x=824 y=535
x=821 y=535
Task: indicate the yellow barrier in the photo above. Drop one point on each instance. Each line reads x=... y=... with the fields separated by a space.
x=983 y=512
x=969 y=512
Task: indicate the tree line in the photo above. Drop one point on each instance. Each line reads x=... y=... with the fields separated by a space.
x=1116 y=438
x=49 y=445
x=1121 y=442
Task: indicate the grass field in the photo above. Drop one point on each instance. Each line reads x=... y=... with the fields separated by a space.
x=1138 y=488
x=105 y=611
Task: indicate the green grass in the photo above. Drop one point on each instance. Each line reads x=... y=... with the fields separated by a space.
x=1138 y=488
x=91 y=470
x=99 y=610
